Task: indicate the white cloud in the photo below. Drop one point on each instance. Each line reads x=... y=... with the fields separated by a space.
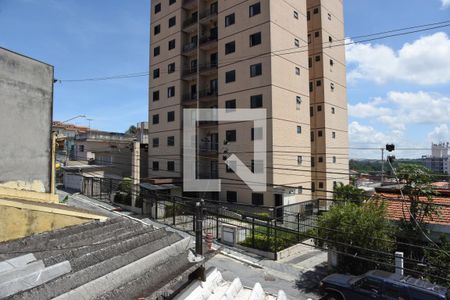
x=445 y=3
x=414 y=62
x=360 y=134
x=440 y=133
x=372 y=109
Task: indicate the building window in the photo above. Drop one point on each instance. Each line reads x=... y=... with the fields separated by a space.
x=257 y=166
x=333 y=110
x=155 y=73
x=332 y=86
x=311 y=86
x=170 y=141
x=81 y=148
x=257 y=199
x=297 y=71
x=172 y=2
x=330 y=39
x=295 y=15
x=256 y=70
x=319 y=108
x=156 y=51
x=298 y=102
x=155 y=142
x=333 y=135
x=230 y=105
x=170 y=92
x=311 y=111
x=320 y=185
x=320 y=159
x=230 y=135
x=308 y=15
x=334 y=159
x=310 y=62
x=155 y=119
x=157 y=29
x=230 y=47
x=172 y=21
x=299 y=160
x=157 y=8
x=313 y=187
x=317 y=57
x=229 y=20
x=171 y=44
x=170 y=116
x=171 y=68
x=256 y=134
x=331 y=62
x=319 y=133
x=155 y=166
x=254 y=9
x=255 y=39
x=312 y=136
x=316 y=10
x=317 y=34
x=231 y=196
x=299 y=129
x=319 y=83
x=297 y=43
x=171 y=166
x=230 y=76
x=156 y=96
x=256 y=101
x=230 y=166
x=313 y=161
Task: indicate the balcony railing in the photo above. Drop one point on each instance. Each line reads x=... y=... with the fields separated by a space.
x=207 y=39
x=189 y=97
x=189 y=71
x=208 y=13
x=189 y=47
x=189 y=4
x=208 y=67
x=209 y=93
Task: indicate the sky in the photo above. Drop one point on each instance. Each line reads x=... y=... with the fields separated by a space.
x=398 y=88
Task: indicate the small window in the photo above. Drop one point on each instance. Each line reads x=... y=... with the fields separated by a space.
x=295 y=15
x=230 y=105
x=297 y=43
x=155 y=119
x=157 y=29
x=256 y=134
x=255 y=39
x=170 y=141
x=157 y=8
x=155 y=142
x=256 y=101
x=308 y=15
x=309 y=38
x=171 y=68
x=257 y=199
x=172 y=21
x=333 y=110
x=230 y=166
x=317 y=58
x=319 y=108
x=299 y=129
x=319 y=133
x=331 y=62
x=313 y=187
x=156 y=51
x=257 y=166
x=229 y=20
x=155 y=166
x=317 y=34
x=170 y=92
x=81 y=148
x=155 y=96
x=256 y=70
x=297 y=71
x=316 y=11
x=298 y=102
x=254 y=9
x=230 y=76
x=313 y=161
x=231 y=196
x=320 y=159
x=170 y=116
x=320 y=185
x=330 y=39
x=311 y=111
x=311 y=86
x=155 y=73
x=230 y=135
x=171 y=44
x=172 y=2
x=334 y=159
x=310 y=62
x=333 y=135
x=319 y=83
x=299 y=160
x=312 y=136
x=332 y=86
x=170 y=166
x=230 y=47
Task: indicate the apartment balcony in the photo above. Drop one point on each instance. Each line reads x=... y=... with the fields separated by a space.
x=207 y=124
x=208 y=69
x=208 y=42
x=205 y=96
x=208 y=175
x=190 y=25
x=189 y=4
x=209 y=149
x=189 y=73
x=209 y=15
x=189 y=48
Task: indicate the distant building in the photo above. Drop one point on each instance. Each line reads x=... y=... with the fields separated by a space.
x=439 y=161
x=65 y=139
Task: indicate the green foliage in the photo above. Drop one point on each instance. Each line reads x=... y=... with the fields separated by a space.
x=132 y=130
x=178 y=209
x=125 y=185
x=439 y=262
x=349 y=193
x=123 y=196
x=348 y=226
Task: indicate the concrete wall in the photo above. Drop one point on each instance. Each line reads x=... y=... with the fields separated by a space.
x=26 y=101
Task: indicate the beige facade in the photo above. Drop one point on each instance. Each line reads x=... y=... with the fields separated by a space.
x=246 y=54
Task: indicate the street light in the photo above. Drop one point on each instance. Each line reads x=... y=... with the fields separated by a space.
x=76 y=117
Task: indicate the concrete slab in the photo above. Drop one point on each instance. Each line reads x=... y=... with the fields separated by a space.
x=17 y=262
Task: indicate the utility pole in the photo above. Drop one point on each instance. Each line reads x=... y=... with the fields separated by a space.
x=135 y=172
x=199 y=228
x=382 y=165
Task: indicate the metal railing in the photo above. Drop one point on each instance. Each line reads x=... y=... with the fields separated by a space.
x=189 y=47
x=208 y=13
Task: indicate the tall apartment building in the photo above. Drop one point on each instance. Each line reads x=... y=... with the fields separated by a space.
x=439 y=161
x=234 y=54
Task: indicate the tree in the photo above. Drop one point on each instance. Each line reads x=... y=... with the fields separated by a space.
x=132 y=130
x=357 y=230
x=349 y=193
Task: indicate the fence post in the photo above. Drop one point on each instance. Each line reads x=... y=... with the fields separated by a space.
x=298 y=227
x=173 y=212
x=253 y=232
x=275 y=241
x=217 y=223
x=198 y=228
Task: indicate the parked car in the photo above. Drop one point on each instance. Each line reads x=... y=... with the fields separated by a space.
x=381 y=285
